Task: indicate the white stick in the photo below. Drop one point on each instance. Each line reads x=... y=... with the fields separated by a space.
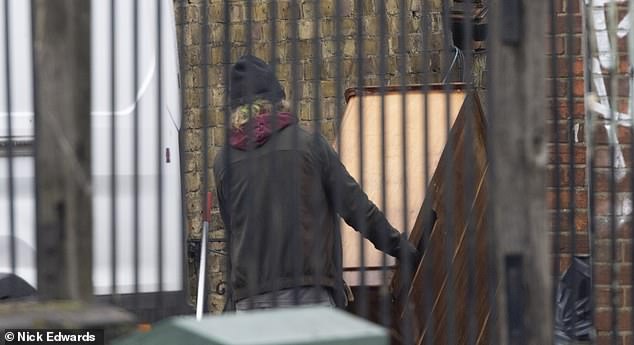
x=200 y=300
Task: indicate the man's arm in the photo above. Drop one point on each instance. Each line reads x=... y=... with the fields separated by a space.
x=354 y=206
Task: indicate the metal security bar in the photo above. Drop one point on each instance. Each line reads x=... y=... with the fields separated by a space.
x=305 y=62
x=389 y=158
x=131 y=170
x=16 y=148
x=145 y=166
x=607 y=114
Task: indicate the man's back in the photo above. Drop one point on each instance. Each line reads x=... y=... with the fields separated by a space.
x=278 y=212
x=280 y=190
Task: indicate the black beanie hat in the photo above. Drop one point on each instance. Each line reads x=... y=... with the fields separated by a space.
x=251 y=79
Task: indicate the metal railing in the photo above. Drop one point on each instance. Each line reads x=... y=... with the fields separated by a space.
x=405 y=97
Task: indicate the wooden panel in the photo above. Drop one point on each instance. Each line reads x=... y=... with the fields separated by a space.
x=456 y=205
x=367 y=143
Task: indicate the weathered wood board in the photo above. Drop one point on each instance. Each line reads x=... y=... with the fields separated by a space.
x=451 y=227
x=426 y=116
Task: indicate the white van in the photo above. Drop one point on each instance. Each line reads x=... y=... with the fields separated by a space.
x=142 y=102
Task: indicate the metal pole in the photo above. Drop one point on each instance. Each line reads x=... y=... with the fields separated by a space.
x=202 y=273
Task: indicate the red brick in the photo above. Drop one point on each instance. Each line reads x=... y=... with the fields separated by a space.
x=560 y=46
x=564 y=263
x=603 y=273
x=582 y=245
x=565 y=154
x=581 y=198
x=603 y=177
x=603 y=228
x=561 y=23
x=600 y=137
x=580 y=221
x=578 y=108
x=562 y=63
x=603 y=319
x=603 y=296
x=565 y=132
x=603 y=203
x=623 y=105
x=564 y=176
x=605 y=338
x=573 y=47
x=563 y=6
x=626 y=249
x=624 y=66
x=564 y=84
x=622 y=9
x=603 y=159
x=603 y=250
x=623 y=86
x=621 y=46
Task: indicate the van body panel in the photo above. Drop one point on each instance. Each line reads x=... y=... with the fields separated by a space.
x=152 y=115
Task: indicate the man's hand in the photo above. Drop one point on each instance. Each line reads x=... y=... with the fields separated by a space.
x=408 y=256
x=408 y=259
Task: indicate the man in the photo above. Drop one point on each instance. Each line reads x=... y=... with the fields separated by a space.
x=280 y=190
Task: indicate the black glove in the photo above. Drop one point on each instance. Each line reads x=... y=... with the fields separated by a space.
x=408 y=259
x=407 y=255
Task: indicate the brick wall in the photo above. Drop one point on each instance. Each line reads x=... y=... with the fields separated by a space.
x=418 y=66
x=567 y=51
x=571 y=124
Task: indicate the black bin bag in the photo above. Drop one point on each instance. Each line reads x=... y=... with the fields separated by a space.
x=573 y=312
x=14 y=287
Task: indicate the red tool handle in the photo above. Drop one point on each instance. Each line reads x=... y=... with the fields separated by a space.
x=207 y=214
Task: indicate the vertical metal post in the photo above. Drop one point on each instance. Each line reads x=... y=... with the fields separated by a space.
x=407 y=267
x=589 y=47
x=363 y=290
x=275 y=246
x=449 y=186
x=294 y=8
x=338 y=120
x=426 y=272
x=492 y=257
x=226 y=59
x=160 y=151
x=113 y=149
x=556 y=172
x=9 y=123
x=631 y=57
x=183 y=18
x=249 y=128
x=62 y=155
x=517 y=142
x=317 y=255
x=201 y=298
x=135 y=154
x=571 y=143
x=469 y=180
x=613 y=142
x=383 y=48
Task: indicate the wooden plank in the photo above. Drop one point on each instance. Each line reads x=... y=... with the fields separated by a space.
x=459 y=264
x=519 y=230
x=351 y=150
x=433 y=202
x=62 y=154
x=460 y=180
